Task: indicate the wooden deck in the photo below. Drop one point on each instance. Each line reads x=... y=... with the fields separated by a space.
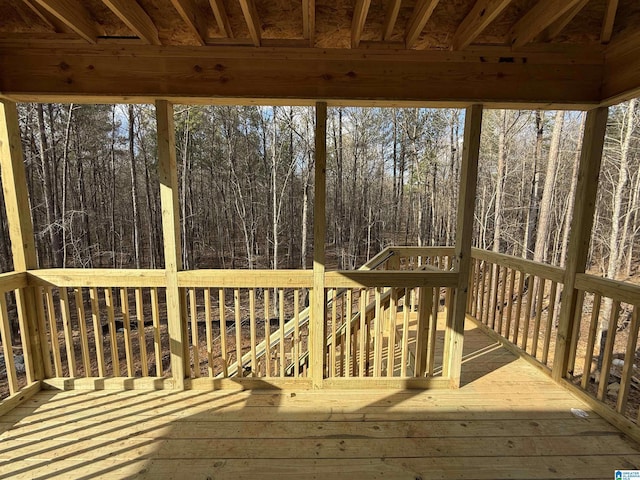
x=507 y=421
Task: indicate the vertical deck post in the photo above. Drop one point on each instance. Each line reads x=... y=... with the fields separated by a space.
x=23 y=248
x=168 y=174
x=319 y=233
x=454 y=333
x=580 y=236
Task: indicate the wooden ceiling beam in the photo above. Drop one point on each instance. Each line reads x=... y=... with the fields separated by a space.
x=132 y=14
x=478 y=75
x=251 y=16
x=559 y=25
x=73 y=15
x=622 y=69
x=309 y=21
x=481 y=15
x=222 y=19
x=189 y=13
x=536 y=20
x=609 y=20
x=359 y=17
x=421 y=14
x=46 y=17
x=393 y=8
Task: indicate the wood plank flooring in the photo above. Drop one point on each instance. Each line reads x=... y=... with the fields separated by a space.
x=507 y=421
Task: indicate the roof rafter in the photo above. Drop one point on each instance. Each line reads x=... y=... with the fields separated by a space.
x=481 y=15
x=189 y=13
x=393 y=8
x=559 y=25
x=420 y=17
x=251 y=16
x=221 y=17
x=609 y=20
x=309 y=20
x=543 y=14
x=359 y=17
x=46 y=17
x=74 y=16
x=132 y=14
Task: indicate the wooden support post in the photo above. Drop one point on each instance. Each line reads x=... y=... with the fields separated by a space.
x=168 y=174
x=316 y=346
x=454 y=333
x=16 y=198
x=580 y=237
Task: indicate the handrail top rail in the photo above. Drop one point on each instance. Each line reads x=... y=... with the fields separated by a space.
x=606 y=287
x=548 y=272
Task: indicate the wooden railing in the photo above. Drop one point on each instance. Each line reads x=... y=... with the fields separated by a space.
x=16 y=370
x=518 y=299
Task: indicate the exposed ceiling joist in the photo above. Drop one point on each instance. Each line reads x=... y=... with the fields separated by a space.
x=421 y=14
x=309 y=21
x=74 y=16
x=359 y=17
x=559 y=25
x=393 y=8
x=222 y=18
x=251 y=16
x=135 y=18
x=481 y=15
x=189 y=13
x=46 y=17
x=536 y=20
x=609 y=20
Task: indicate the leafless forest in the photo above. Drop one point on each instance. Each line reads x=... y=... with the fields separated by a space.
x=246 y=185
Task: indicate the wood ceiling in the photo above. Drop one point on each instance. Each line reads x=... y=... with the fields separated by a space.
x=560 y=52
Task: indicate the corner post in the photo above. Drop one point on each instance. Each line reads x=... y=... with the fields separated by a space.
x=319 y=234
x=23 y=248
x=168 y=175
x=454 y=333
x=580 y=236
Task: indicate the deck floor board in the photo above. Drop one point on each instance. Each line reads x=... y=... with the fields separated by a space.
x=508 y=420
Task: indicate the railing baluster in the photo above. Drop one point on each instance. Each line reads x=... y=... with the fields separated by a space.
x=223 y=333
x=97 y=330
x=238 y=323
x=141 y=334
x=208 y=320
x=629 y=357
x=68 y=331
x=195 y=340
x=53 y=331
x=433 y=331
x=252 y=329
x=607 y=355
x=364 y=293
x=155 y=316
x=377 y=339
x=494 y=295
x=510 y=292
x=82 y=324
x=486 y=313
x=516 y=326
x=332 y=356
x=536 y=325
x=393 y=320
x=113 y=341
x=549 y=325
x=267 y=333
x=42 y=327
x=281 y=319
x=126 y=323
x=591 y=340
x=7 y=343
x=296 y=333
x=573 y=346
x=527 y=311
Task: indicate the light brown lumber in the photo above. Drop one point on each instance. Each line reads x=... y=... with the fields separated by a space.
x=14 y=400
x=481 y=15
x=421 y=14
x=7 y=343
x=157 y=346
x=97 y=331
x=68 y=331
x=74 y=15
x=113 y=342
x=609 y=20
x=454 y=333
x=393 y=8
x=359 y=18
x=246 y=278
x=144 y=365
x=189 y=13
x=126 y=325
x=132 y=15
x=622 y=291
x=84 y=337
x=309 y=21
x=581 y=225
x=12 y=281
x=591 y=341
x=539 y=17
x=317 y=334
x=253 y=23
x=168 y=176
x=548 y=272
x=195 y=341
x=222 y=19
x=627 y=370
x=607 y=355
x=96 y=277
